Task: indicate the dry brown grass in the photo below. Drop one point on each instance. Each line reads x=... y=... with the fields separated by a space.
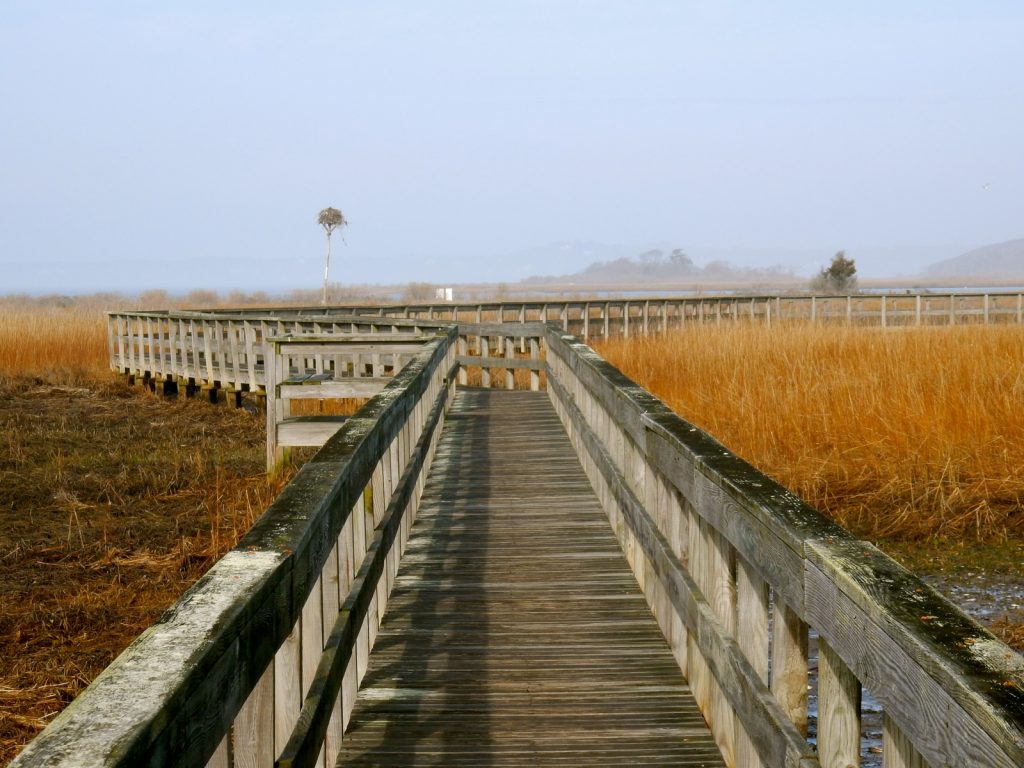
x=896 y=434
x=64 y=343
x=112 y=502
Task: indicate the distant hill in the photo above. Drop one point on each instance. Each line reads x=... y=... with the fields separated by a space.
x=657 y=265
x=998 y=261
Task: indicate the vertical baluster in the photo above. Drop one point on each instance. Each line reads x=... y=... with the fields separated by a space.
x=287 y=686
x=897 y=749
x=485 y=372
x=311 y=644
x=752 y=635
x=721 y=595
x=253 y=729
x=463 y=347
x=510 y=353
x=838 y=711
x=789 y=664
x=535 y=359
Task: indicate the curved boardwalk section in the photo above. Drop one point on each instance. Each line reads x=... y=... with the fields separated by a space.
x=516 y=633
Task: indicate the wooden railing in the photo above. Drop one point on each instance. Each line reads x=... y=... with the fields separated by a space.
x=603 y=318
x=735 y=568
x=224 y=350
x=329 y=367
x=343 y=365
x=262 y=657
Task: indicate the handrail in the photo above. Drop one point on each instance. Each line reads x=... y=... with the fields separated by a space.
x=240 y=647
x=223 y=348
x=308 y=736
x=952 y=692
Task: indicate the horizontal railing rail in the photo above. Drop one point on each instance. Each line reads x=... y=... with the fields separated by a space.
x=735 y=567
x=221 y=678
x=324 y=367
x=223 y=350
x=591 y=318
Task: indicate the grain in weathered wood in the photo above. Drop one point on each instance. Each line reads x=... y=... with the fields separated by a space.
x=838 y=711
x=790 y=664
x=898 y=751
x=253 y=729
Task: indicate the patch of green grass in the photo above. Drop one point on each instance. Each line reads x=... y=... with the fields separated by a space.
x=946 y=556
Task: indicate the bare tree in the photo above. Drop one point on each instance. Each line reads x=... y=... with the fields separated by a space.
x=330 y=219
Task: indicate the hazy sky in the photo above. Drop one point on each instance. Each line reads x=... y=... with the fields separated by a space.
x=192 y=143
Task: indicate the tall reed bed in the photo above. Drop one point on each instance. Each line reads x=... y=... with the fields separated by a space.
x=66 y=342
x=894 y=433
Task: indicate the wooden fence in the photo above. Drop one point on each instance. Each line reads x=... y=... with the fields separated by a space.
x=602 y=318
x=224 y=349
x=343 y=365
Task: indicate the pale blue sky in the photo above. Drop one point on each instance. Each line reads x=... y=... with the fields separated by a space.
x=192 y=144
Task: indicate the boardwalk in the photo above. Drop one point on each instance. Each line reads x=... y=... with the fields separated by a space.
x=556 y=570
x=516 y=634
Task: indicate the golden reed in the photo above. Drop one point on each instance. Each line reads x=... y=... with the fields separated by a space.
x=903 y=433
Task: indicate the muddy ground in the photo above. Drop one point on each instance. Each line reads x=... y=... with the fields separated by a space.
x=112 y=502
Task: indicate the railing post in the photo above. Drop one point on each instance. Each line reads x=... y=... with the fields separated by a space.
x=485 y=372
x=898 y=752
x=752 y=597
x=535 y=358
x=463 y=348
x=510 y=353
x=838 y=710
x=789 y=664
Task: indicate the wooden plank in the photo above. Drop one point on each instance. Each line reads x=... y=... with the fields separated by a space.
x=347 y=387
x=752 y=601
x=713 y=656
x=253 y=729
x=493 y=652
x=898 y=751
x=957 y=709
x=790 y=664
x=838 y=711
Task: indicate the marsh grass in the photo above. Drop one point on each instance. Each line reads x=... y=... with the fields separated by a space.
x=899 y=434
x=113 y=501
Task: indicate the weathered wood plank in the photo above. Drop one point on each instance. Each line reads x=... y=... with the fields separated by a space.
x=515 y=633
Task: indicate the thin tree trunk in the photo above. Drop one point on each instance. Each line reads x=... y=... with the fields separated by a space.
x=327 y=269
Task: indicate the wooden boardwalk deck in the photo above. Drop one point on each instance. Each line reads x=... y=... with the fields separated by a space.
x=516 y=634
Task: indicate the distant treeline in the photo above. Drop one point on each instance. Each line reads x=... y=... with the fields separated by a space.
x=657 y=264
